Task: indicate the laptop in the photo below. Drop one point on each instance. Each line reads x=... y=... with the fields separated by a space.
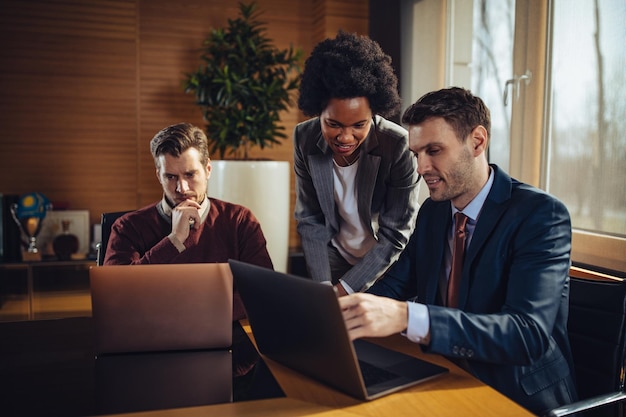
x=297 y=322
x=165 y=307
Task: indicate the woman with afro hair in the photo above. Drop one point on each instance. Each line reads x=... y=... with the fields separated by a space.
x=356 y=180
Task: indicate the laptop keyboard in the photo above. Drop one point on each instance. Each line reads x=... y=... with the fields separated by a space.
x=373 y=375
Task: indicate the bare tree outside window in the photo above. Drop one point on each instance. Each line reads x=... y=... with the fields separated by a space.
x=588 y=118
x=586 y=158
x=492 y=62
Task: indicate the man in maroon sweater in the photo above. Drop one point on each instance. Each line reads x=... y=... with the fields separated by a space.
x=186 y=226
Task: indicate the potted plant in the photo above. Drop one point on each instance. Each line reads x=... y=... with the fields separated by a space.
x=242 y=86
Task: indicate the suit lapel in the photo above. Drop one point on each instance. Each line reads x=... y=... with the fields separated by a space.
x=433 y=248
x=321 y=166
x=494 y=207
x=367 y=172
x=490 y=213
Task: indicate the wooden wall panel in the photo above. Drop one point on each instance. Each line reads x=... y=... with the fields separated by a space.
x=85 y=84
x=68 y=97
x=329 y=16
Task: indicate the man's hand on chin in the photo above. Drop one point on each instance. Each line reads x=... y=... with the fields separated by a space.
x=185 y=216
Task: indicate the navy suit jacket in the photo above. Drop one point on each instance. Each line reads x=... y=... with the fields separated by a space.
x=510 y=328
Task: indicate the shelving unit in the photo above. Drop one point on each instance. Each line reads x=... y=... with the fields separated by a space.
x=44 y=290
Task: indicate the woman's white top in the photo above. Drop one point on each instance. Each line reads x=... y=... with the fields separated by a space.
x=353 y=240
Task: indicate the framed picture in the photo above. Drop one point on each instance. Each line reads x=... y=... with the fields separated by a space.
x=52 y=227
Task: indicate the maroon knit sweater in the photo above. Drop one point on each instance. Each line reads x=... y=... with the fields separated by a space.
x=230 y=231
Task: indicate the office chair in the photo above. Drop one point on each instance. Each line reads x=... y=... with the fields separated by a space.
x=597 y=332
x=106 y=222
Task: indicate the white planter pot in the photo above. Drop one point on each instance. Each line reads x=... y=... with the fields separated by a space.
x=263 y=187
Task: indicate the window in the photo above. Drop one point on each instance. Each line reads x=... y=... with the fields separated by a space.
x=492 y=66
x=568 y=60
x=560 y=64
x=585 y=161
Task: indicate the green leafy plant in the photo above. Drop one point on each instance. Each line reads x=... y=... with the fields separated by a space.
x=243 y=84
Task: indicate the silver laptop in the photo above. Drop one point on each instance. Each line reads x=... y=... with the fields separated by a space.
x=147 y=308
x=298 y=322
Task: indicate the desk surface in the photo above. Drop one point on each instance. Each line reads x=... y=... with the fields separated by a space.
x=454 y=394
x=28 y=367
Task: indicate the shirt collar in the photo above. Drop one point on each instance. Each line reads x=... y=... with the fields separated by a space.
x=472 y=210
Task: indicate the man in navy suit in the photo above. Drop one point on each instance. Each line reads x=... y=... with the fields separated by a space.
x=509 y=325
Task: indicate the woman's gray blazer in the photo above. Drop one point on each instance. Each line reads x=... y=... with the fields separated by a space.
x=387 y=188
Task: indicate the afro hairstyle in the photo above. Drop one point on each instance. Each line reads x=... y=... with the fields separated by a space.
x=349 y=66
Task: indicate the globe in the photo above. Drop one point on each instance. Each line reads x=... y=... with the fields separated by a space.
x=32 y=205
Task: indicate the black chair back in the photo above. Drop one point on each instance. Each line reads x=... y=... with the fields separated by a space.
x=106 y=221
x=597 y=331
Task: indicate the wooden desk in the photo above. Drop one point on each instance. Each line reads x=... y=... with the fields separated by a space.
x=48 y=369
x=285 y=407
x=455 y=394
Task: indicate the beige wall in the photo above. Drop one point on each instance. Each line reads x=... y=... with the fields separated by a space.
x=85 y=84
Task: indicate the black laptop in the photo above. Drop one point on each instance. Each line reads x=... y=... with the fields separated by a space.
x=298 y=323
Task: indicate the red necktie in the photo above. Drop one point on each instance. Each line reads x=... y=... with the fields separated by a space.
x=458 y=252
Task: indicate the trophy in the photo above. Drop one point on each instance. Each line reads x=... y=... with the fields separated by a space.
x=28 y=213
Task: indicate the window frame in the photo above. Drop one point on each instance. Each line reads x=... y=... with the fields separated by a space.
x=530 y=130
